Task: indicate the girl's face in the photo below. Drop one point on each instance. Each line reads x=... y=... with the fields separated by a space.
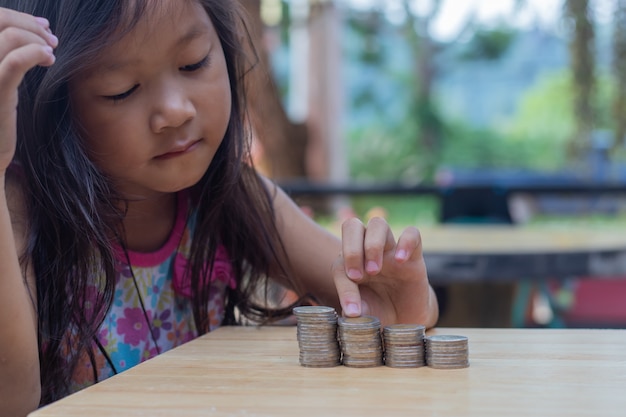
x=155 y=106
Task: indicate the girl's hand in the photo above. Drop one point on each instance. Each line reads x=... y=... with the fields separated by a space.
x=377 y=275
x=25 y=42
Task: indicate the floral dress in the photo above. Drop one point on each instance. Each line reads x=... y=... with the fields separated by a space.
x=156 y=300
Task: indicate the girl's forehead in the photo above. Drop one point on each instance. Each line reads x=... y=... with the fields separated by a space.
x=146 y=22
x=149 y=16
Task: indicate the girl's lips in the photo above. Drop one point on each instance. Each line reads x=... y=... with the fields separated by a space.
x=178 y=151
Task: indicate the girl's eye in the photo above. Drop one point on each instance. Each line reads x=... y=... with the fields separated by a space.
x=196 y=66
x=119 y=97
x=187 y=68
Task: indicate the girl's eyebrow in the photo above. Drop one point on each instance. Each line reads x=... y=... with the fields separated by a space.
x=193 y=33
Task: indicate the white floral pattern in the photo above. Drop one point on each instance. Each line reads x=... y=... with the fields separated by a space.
x=161 y=287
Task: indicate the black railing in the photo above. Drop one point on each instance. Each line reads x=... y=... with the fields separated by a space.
x=300 y=188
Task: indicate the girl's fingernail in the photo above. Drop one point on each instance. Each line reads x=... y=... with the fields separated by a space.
x=401 y=255
x=352 y=309
x=50 y=52
x=354 y=274
x=42 y=21
x=371 y=267
x=54 y=41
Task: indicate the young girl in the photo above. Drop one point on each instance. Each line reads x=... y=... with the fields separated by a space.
x=131 y=220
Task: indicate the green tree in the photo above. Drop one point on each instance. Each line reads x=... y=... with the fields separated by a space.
x=417 y=32
x=546 y=120
x=407 y=136
x=489 y=44
x=619 y=73
x=283 y=141
x=580 y=23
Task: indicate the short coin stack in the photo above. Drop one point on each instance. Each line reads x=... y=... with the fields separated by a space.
x=404 y=345
x=317 y=336
x=447 y=351
x=360 y=341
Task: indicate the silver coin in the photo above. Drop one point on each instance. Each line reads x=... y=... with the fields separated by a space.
x=446 y=338
x=316 y=310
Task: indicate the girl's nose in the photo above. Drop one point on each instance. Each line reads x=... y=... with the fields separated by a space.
x=172 y=108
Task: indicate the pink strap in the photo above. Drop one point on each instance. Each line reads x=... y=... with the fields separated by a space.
x=222 y=271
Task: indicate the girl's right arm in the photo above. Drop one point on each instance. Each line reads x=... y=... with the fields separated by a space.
x=25 y=42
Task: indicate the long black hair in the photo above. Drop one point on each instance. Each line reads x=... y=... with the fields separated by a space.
x=75 y=214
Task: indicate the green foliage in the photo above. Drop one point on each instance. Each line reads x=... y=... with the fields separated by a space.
x=401 y=210
x=488 y=44
x=382 y=154
x=368 y=27
x=389 y=145
x=469 y=147
x=536 y=137
x=364 y=98
x=545 y=121
x=619 y=74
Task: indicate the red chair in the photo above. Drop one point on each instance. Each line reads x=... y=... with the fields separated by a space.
x=585 y=302
x=597 y=302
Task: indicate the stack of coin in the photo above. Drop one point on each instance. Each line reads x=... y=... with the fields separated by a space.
x=404 y=345
x=447 y=351
x=317 y=336
x=360 y=341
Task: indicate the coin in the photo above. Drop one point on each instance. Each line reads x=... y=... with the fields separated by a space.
x=447 y=351
x=404 y=345
x=326 y=340
x=360 y=341
x=317 y=336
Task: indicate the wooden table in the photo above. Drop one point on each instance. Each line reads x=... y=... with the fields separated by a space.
x=463 y=253
x=247 y=371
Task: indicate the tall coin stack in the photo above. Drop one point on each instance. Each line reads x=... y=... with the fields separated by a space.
x=360 y=341
x=447 y=351
x=404 y=345
x=317 y=336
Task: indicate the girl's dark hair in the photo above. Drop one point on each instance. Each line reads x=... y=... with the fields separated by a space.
x=75 y=215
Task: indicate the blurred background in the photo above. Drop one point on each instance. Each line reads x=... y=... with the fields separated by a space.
x=431 y=93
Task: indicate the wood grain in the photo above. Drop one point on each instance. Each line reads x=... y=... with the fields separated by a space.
x=248 y=371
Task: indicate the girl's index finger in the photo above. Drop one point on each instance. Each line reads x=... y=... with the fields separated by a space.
x=347 y=290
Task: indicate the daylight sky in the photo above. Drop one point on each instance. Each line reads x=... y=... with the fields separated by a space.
x=455 y=12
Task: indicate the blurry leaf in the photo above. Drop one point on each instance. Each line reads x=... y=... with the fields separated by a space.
x=488 y=44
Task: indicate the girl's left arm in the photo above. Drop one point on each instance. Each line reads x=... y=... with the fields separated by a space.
x=365 y=272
